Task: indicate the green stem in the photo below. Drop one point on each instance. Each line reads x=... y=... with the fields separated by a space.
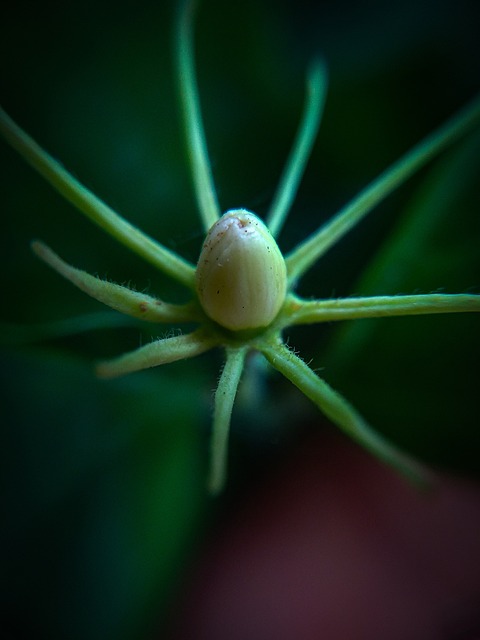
x=122 y=299
x=224 y=399
x=309 y=251
x=196 y=143
x=301 y=311
x=93 y=207
x=339 y=411
x=302 y=147
x=157 y=353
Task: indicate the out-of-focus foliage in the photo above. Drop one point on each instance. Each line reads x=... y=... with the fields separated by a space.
x=102 y=483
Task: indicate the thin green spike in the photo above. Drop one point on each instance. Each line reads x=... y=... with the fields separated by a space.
x=116 y=296
x=316 y=89
x=196 y=143
x=341 y=412
x=158 y=352
x=88 y=203
x=311 y=311
x=224 y=399
x=309 y=251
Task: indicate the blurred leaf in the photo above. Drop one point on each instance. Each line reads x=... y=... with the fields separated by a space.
x=102 y=490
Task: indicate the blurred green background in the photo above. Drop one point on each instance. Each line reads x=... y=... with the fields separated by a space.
x=103 y=499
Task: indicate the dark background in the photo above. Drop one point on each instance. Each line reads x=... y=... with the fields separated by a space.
x=103 y=498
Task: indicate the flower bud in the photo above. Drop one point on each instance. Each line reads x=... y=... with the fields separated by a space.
x=241 y=275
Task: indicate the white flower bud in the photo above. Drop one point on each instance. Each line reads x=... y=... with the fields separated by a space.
x=241 y=275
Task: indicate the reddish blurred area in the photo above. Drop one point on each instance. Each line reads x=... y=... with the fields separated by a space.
x=336 y=546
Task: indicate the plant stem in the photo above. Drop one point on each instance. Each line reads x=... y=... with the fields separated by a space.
x=310 y=250
x=88 y=203
x=317 y=81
